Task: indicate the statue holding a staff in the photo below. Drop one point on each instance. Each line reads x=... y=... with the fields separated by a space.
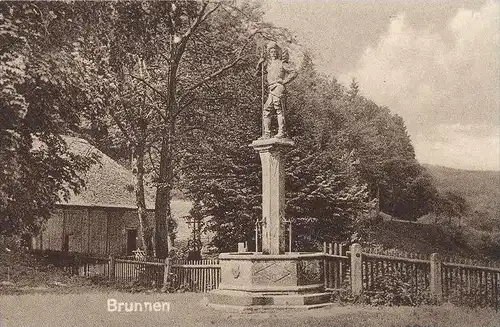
x=279 y=73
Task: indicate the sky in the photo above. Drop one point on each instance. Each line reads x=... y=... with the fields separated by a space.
x=435 y=63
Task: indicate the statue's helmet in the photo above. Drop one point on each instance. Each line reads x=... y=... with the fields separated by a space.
x=272 y=45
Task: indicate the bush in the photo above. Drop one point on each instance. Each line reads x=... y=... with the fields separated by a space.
x=396 y=289
x=472 y=298
x=100 y=280
x=390 y=289
x=131 y=287
x=345 y=296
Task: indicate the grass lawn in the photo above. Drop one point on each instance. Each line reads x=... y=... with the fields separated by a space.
x=189 y=309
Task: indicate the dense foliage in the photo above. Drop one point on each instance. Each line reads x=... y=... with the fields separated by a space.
x=43 y=81
x=340 y=161
x=390 y=289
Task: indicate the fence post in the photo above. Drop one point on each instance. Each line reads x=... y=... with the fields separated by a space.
x=166 y=274
x=111 y=267
x=436 y=287
x=242 y=247
x=326 y=278
x=356 y=269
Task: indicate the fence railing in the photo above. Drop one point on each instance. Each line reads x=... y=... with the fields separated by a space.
x=415 y=272
x=336 y=266
x=363 y=270
x=196 y=275
x=138 y=271
x=352 y=267
x=187 y=275
x=90 y=266
x=471 y=283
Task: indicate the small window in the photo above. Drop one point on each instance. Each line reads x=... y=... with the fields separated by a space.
x=131 y=241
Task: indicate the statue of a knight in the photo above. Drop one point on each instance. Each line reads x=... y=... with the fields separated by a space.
x=279 y=73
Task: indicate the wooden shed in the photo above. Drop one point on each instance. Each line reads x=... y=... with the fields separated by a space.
x=102 y=219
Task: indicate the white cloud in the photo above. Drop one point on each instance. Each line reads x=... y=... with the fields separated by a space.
x=440 y=79
x=461 y=146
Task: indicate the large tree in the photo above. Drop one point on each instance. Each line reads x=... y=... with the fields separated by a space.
x=155 y=60
x=44 y=83
x=386 y=157
x=374 y=138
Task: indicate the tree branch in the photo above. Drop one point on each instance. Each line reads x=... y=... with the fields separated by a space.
x=119 y=124
x=156 y=171
x=130 y=118
x=184 y=106
x=221 y=70
x=148 y=85
x=167 y=59
x=200 y=18
x=161 y=94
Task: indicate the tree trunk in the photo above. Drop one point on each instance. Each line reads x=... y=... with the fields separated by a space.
x=138 y=170
x=163 y=214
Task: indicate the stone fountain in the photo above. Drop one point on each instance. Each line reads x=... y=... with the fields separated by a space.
x=272 y=278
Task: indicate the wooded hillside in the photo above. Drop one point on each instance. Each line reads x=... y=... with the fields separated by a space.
x=478 y=224
x=481 y=190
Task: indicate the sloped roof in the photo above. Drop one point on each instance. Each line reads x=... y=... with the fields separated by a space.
x=107 y=183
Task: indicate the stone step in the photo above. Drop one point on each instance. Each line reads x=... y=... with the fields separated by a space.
x=264 y=308
x=244 y=299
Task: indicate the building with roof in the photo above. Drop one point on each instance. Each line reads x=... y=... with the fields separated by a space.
x=102 y=218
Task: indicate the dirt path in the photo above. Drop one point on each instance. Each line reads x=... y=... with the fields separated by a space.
x=189 y=309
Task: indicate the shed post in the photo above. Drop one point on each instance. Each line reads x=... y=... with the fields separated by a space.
x=111 y=267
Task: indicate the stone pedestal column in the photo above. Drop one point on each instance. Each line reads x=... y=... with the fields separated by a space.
x=271 y=153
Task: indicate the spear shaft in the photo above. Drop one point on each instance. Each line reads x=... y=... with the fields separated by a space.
x=262 y=88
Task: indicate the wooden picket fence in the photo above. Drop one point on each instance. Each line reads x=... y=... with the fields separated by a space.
x=336 y=266
x=413 y=269
x=361 y=271
x=184 y=275
x=471 y=282
x=90 y=266
x=345 y=267
x=196 y=275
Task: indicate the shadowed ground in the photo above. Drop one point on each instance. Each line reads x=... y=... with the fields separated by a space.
x=189 y=309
